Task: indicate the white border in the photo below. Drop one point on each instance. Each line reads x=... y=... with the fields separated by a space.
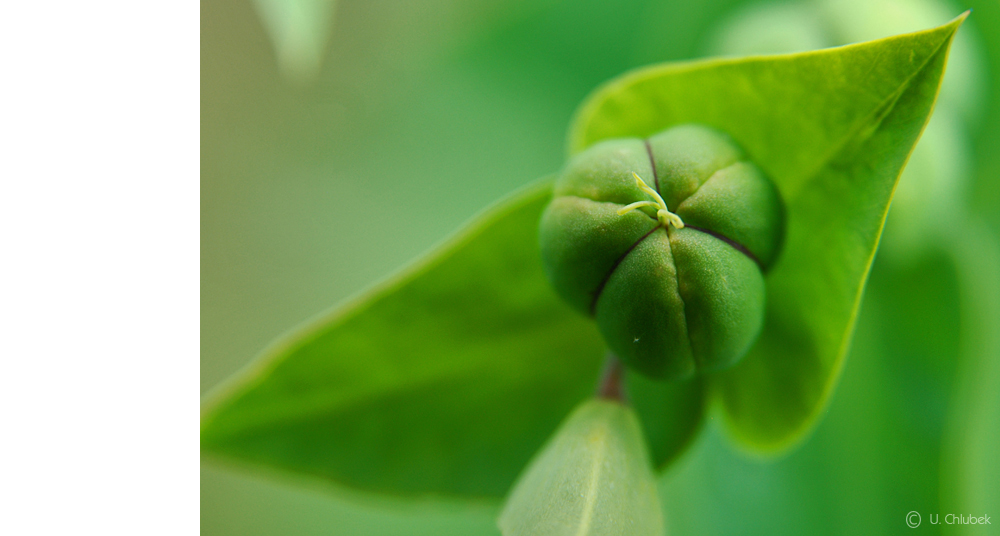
x=99 y=276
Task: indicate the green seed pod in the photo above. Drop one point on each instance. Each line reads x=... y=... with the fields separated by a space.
x=664 y=241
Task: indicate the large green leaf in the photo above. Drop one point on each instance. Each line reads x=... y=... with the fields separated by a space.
x=833 y=128
x=445 y=379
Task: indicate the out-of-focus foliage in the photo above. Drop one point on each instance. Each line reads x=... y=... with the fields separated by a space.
x=409 y=99
x=299 y=30
x=970 y=467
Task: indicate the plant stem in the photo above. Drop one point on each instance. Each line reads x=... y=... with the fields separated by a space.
x=612 y=386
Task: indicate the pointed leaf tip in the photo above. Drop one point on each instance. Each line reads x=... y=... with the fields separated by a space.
x=592 y=478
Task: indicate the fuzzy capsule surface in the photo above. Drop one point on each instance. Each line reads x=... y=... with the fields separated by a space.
x=678 y=291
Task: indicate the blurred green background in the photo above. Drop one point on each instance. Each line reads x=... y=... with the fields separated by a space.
x=341 y=140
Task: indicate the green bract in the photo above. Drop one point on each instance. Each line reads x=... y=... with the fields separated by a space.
x=673 y=276
x=593 y=477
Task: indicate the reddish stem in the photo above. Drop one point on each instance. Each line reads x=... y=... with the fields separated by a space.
x=612 y=386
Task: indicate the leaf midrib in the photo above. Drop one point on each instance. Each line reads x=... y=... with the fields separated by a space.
x=853 y=134
x=590 y=501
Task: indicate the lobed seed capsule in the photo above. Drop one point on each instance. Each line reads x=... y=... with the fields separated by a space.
x=665 y=241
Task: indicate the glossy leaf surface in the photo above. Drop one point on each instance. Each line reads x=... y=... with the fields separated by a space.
x=833 y=129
